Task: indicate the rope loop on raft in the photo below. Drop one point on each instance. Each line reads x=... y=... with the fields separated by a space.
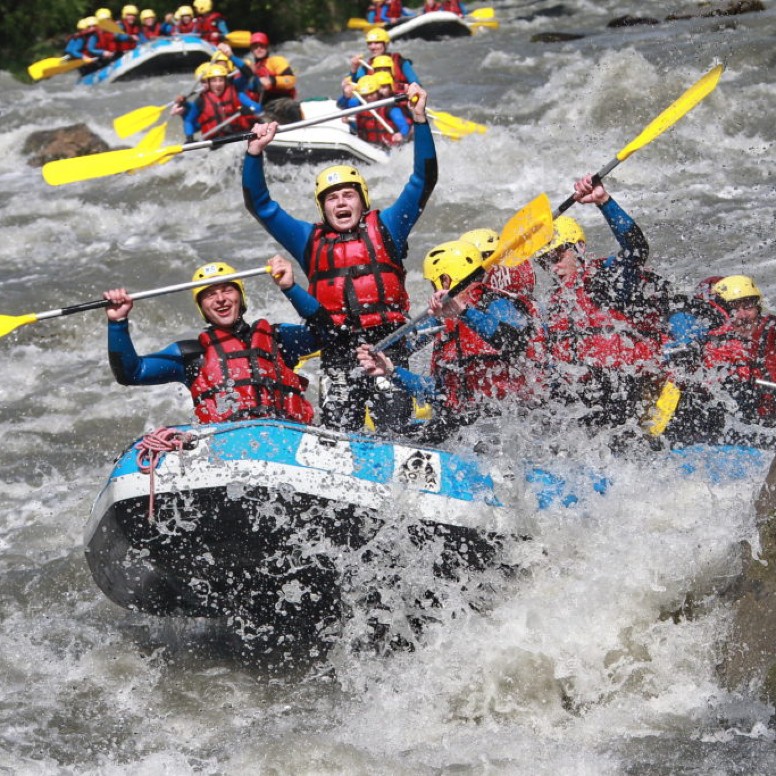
x=151 y=447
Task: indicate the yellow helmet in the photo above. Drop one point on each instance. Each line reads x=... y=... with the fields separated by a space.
x=383 y=78
x=103 y=13
x=336 y=176
x=367 y=84
x=220 y=58
x=84 y=24
x=383 y=60
x=566 y=232
x=184 y=10
x=735 y=287
x=147 y=13
x=213 y=270
x=129 y=10
x=485 y=240
x=377 y=35
x=456 y=259
x=203 y=6
x=215 y=70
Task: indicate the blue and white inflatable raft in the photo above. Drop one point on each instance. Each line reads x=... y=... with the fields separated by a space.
x=162 y=56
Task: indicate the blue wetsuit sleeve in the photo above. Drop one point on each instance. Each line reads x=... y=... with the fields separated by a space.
x=399 y=120
x=166 y=366
x=420 y=387
x=222 y=28
x=191 y=119
x=500 y=312
x=295 y=341
x=634 y=251
x=409 y=72
x=247 y=102
x=400 y=217
x=304 y=303
x=292 y=233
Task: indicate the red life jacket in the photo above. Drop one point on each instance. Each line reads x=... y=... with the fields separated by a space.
x=371 y=129
x=207 y=26
x=583 y=333
x=239 y=380
x=358 y=277
x=430 y=7
x=214 y=110
x=187 y=29
x=744 y=358
x=453 y=6
x=106 y=41
x=400 y=82
x=393 y=10
x=129 y=29
x=151 y=31
x=514 y=280
x=469 y=368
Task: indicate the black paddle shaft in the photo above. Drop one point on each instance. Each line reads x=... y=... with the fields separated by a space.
x=602 y=173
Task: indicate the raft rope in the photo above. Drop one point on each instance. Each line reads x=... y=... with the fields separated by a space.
x=151 y=447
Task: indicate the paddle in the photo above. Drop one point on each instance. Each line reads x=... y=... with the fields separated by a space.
x=239 y=39
x=83 y=168
x=46 y=68
x=665 y=406
x=676 y=110
x=110 y=26
x=525 y=233
x=460 y=127
x=9 y=323
x=139 y=119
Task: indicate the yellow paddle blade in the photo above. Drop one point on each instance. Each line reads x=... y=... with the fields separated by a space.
x=490 y=24
x=10 y=322
x=455 y=124
x=239 y=39
x=363 y=24
x=525 y=233
x=482 y=14
x=137 y=120
x=675 y=111
x=38 y=69
x=665 y=408
x=110 y=26
x=65 y=67
x=154 y=138
x=84 y=168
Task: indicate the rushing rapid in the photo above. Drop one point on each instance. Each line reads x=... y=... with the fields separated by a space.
x=600 y=656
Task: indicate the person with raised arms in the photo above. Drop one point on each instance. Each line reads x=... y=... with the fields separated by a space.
x=489 y=346
x=605 y=316
x=234 y=370
x=354 y=259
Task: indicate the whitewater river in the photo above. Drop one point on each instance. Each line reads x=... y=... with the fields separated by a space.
x=575 y=668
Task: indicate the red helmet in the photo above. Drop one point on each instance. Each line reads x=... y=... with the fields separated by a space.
x=259 y=38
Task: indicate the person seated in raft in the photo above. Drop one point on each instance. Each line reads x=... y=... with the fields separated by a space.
x=220 y=109
x=211 y=25
x=489 y=348
x=130 y=24
x=150 y=27
x=386 y=126
x=605 y=316
x=353 y=256
x=102 y=45
x=429 y=6
x=224 y=383
x=395 y=11
x=375 y=13
x=377 y=41
x=718 y=351
x=76 y=43
x=183 y=22
x=454 y=6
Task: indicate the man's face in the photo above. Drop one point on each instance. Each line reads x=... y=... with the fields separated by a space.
x=376 y=48
x=220 y=304
x=343 y=208
x=744 y=314
x=259 y=50
x=563 y=263
x=217 y=85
